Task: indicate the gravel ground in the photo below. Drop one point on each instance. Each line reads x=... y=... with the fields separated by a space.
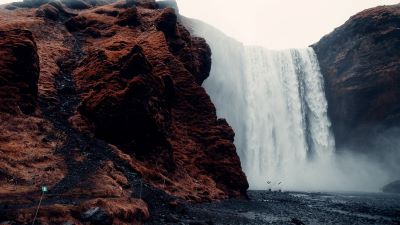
x=291 y=208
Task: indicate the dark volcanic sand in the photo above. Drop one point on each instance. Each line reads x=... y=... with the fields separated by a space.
x=292 y=208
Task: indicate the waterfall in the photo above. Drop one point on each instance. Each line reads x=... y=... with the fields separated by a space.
x=275 y=102
x=286 y=114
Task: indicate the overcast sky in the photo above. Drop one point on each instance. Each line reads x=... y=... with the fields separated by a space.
x=276 y=24
x=6 y=1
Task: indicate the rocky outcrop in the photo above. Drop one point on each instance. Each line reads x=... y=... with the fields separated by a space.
x=19 y=72
x=117 y=124
x=142 y=93
x=360 y=64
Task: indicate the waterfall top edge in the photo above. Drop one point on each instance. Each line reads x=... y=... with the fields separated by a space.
x=208 y=30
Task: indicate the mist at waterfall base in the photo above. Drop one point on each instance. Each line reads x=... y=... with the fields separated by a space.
x=275 y=102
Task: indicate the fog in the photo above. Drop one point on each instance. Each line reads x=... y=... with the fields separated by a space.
x=8 y=1
x=276 y=24
x=347 y=171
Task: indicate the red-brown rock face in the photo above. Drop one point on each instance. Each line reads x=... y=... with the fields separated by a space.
x=361 y=62
x=119 y=97
x=140 y=89
x=19 y=71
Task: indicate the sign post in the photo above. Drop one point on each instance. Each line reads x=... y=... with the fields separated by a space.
x=44 y=190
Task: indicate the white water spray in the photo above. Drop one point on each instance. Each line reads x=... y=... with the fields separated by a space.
x=286 y=123
x=276 y=104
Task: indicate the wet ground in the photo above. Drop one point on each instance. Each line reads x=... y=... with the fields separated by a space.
x=294 y=208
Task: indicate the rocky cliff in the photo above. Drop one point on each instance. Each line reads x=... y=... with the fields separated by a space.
x=360 y=62
x=102 y=102
x=393 y=187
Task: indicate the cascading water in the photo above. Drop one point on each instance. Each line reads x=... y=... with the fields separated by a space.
x=286 y=114
x=275 y=102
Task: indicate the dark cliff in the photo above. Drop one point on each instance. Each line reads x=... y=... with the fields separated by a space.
x=102 y=102
x=360 y=62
